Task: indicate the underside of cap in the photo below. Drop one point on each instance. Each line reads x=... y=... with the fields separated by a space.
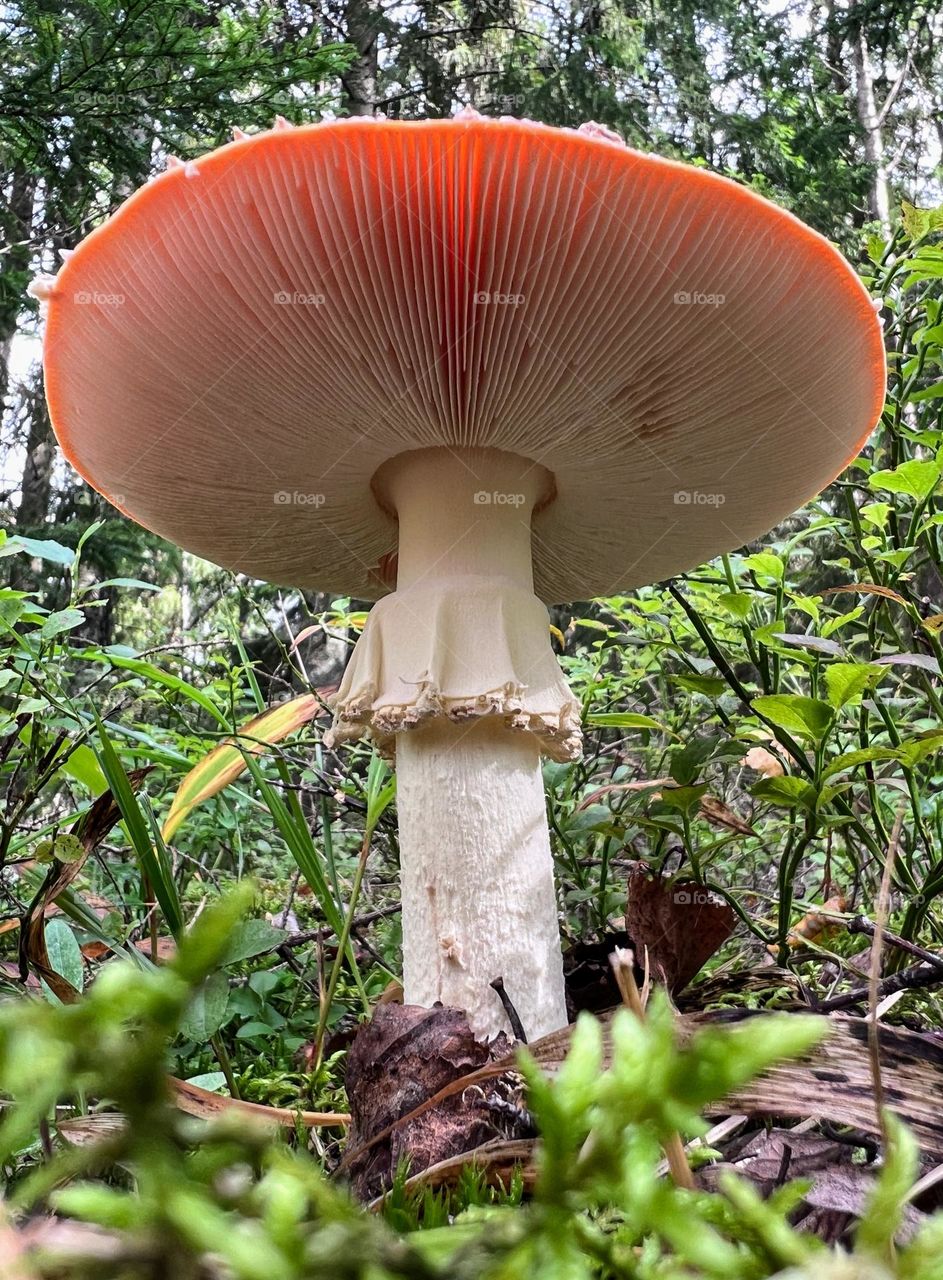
x=237 y=351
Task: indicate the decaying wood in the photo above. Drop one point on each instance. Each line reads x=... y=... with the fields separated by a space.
x=404 y=1055
x=833 y=1083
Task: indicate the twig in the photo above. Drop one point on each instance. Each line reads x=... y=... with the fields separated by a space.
x=323 y=934
x=623 y=966
x=912 y=979
x=861 y=924
x=512 y=1015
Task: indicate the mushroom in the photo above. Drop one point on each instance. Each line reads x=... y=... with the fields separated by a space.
x=492 y=365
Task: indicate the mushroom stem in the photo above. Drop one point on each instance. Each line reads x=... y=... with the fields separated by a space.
x=477 y=876
x=456 y=669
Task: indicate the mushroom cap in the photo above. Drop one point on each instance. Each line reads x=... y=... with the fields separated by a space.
x=232 y=356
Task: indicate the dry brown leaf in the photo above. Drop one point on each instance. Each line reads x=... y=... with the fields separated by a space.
x=206 y=1105
x=866 y=589
x=817 y=925
x=86 y=1131
x=764 y=762
x=681 y=924
x=720 y=815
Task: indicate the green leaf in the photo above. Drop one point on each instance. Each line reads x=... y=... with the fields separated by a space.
x=64 y=848
x=884 y=1209
x=264 y=981
x=150 y=856
x=82 y=766
x=738 y=603
x=252 y=1030
x=65 y=955
x=866 y=755
x=624 y=720
x=916 y=750
x=252 y=938
x=134 y=584
x=149 y=672
x=595 y=817
x=684 y=798
x=297 y=837
x=767 y=565
x=876 y=513
x=934 y=392
x=787 y=792
x=918 y=479
x=916 y=222
x=63 y=620
x=215 y=1081
x=847 y=680
x=54 y=552
x=710 y=686
x=832 y=625
x=686 y=762
x=807 y=717
x=207 y=1010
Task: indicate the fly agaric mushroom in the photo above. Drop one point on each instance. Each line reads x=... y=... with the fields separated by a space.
x=545 y=366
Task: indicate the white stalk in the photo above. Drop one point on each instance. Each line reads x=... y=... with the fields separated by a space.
x=477 y=876
x=457 y=668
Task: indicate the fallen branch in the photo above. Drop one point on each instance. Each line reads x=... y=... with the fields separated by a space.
x=914 y=978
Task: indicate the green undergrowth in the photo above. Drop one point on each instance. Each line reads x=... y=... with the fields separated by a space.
x=177 y=1196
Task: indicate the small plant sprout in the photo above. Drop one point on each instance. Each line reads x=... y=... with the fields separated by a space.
x=466 y=368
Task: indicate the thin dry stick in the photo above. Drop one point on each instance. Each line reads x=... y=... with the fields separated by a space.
x=622 y=962
x=874 y=977
x=860 y=924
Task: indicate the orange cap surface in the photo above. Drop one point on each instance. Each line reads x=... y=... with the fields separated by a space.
x=234 y=353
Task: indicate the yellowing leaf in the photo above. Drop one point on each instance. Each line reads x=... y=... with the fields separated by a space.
x=226 y=762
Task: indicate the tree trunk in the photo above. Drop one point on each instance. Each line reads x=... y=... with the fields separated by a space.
x=869 y=118
x=360 y=79
x=17 y=234
x=36 y=483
